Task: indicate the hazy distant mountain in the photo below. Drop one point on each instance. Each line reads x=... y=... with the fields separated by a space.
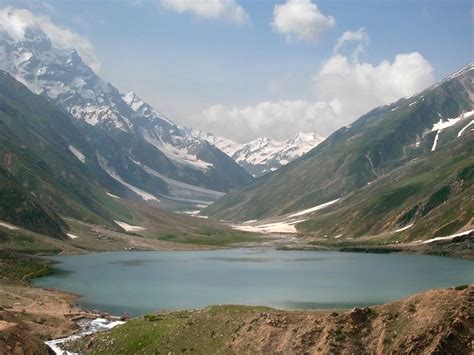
x=170 y=164
x=408 y=165
x=263 y=155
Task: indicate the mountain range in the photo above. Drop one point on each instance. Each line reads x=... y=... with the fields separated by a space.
x=185 y=161
x=403 y=169
x=263 y=155
x=73 y=145
x=146 y=153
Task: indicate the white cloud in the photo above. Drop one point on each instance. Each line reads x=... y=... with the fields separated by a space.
x=278 y=120
x=16 y=21
x=209 y=9
x=360 y=87
x=344 y=89
x=360 y=36
x=301 y=19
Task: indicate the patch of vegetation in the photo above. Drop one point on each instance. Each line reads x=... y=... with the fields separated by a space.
x=17 y=268
x=212 y=237
x=205 y=331
x=436 y=199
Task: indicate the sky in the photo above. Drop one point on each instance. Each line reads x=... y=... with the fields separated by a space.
x=249 y=68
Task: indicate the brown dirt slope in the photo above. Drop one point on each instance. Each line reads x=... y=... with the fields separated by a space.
x=433 y=322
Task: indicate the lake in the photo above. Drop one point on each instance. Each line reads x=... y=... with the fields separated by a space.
x=141 y=282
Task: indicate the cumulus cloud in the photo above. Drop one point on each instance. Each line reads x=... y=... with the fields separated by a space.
x=343 y=89
x=360 y=37
x=16 y=21
x=362 y=86
x=278 y=119
x=301 y=19
x=209 y=9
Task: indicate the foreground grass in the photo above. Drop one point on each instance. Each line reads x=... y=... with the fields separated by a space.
x=205 y=331
x=430 y=322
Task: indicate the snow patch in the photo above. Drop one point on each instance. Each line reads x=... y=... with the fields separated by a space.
x=143 y=194
x=278 y=227
x=404 y=228
x=112 y=195
x=77 y=153
x=129 y=227
x=250 y=221
x=8 y=226
x=178 y=154
x=449 y=237
x=72 y=236
x=441 y=125
x=464 y=128
x=435 y=142
x=315 y=208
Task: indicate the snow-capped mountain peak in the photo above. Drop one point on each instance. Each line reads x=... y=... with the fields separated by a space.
x=144 y=109
x=263 y=155
x=144 y=137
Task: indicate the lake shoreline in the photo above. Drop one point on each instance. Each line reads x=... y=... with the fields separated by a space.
x=264 y=263
x=433 y=321
x=56 y=298
x=460 y=247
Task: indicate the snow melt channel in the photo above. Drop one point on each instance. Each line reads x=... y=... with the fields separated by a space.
x=87 y=328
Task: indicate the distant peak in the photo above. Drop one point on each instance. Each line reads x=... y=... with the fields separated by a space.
x=463 y=71
x=133 y=100
x=131 y=96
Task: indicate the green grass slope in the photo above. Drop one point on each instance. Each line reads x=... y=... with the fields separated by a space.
x=374 y=145
x=430 y=197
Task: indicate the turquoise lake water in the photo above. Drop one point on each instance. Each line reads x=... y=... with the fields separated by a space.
x=142 y=282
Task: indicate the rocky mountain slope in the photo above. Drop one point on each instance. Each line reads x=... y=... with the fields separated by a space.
x=46 y=166
x=189 y=168
x=403 y=162
x=55 y=193
x=264 y=155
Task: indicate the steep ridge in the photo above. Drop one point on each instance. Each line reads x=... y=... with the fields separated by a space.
x=46 y=164
x=373 y=146
x=52 y=179
x=141 y=136
x=427 y=198
x=19 y=209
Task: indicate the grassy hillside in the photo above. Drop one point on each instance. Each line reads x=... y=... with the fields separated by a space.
x=46 y=190
x=430 y=196
x=34 y=150
x=377 y=144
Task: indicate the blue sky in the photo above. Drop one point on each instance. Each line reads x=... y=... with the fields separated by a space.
x=196 y=69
